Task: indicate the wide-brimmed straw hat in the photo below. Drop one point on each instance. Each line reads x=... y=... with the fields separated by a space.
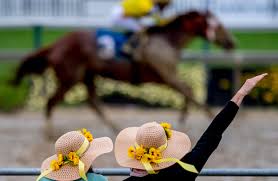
x=74 y=149
x=151 y=135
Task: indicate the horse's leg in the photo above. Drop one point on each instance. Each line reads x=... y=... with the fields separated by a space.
x=57 y=97
x=184 y=112
x=169 y=77
x=94 y=101
x=164 y=63
x=182 y=87
x=172 y=80
x=186 y=91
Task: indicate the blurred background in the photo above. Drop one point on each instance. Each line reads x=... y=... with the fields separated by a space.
x=251 y=141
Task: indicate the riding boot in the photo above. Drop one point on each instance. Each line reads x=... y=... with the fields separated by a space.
x=131 y=47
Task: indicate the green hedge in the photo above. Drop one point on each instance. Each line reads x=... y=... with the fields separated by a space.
x=151 y=94
x=11 y=97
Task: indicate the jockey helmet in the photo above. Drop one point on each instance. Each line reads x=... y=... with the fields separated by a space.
x=137 y=8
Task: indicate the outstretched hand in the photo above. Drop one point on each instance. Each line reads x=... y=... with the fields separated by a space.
x=250 y=84
x=246 y=88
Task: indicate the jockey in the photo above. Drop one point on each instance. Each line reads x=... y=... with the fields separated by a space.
x=129 y=17
x=134 y=15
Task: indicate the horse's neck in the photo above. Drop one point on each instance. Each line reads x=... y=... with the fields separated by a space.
x=174 y=33
x=177 y=38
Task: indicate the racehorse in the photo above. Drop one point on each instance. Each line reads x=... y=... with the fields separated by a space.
x=74 y=58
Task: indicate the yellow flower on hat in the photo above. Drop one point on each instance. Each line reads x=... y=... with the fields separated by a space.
x=152 y=152
x=75 y=160
x=54 y=165
x=87 y=134
x=140 y=151
x=73 y=157
x=155 y=153
x=131 y=152
x=167 y=128
x=144 y=154
x=166 y=125
x=148 y=158
x=60 y=159
x=84 y=130
x=138 y=157
x=158 y=154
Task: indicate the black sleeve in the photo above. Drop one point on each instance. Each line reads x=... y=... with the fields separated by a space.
x=211 y=137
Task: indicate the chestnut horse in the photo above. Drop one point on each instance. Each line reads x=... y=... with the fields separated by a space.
x=74 y=59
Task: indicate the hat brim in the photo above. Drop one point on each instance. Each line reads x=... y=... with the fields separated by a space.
x=69 y=172
x=178 y=145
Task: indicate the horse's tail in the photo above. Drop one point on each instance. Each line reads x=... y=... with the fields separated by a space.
x=36 y=63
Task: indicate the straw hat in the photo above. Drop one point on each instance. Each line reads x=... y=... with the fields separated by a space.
x=150 y=135
x=72 y=142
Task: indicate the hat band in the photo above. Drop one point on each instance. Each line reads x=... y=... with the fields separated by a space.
x=146 y=161
x=81 y=165
x=147 y=165
x=83 y=148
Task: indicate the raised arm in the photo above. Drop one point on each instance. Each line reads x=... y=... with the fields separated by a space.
x=212 y=136
x=246 y=88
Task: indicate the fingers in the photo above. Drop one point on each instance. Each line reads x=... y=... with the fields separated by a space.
x=259 y=77
x=251 y=83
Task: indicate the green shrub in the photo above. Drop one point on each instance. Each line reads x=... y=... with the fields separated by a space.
x=11 y=97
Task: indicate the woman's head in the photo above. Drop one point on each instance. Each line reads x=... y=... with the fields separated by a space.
x=75 y=154
x=150 y=147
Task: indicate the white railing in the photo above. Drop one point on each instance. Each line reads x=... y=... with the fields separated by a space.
x=234 y=13
x=66 y=8
x=55 y=8
x=242 y=172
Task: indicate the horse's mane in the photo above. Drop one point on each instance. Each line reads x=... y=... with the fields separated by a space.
x=174 y=24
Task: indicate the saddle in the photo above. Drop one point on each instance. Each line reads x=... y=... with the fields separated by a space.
x=112 y=44
x=119 y=46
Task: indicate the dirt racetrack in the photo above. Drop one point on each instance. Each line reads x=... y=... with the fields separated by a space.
x=251 y=140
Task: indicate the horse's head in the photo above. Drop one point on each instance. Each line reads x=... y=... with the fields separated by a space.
x=208 y=27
